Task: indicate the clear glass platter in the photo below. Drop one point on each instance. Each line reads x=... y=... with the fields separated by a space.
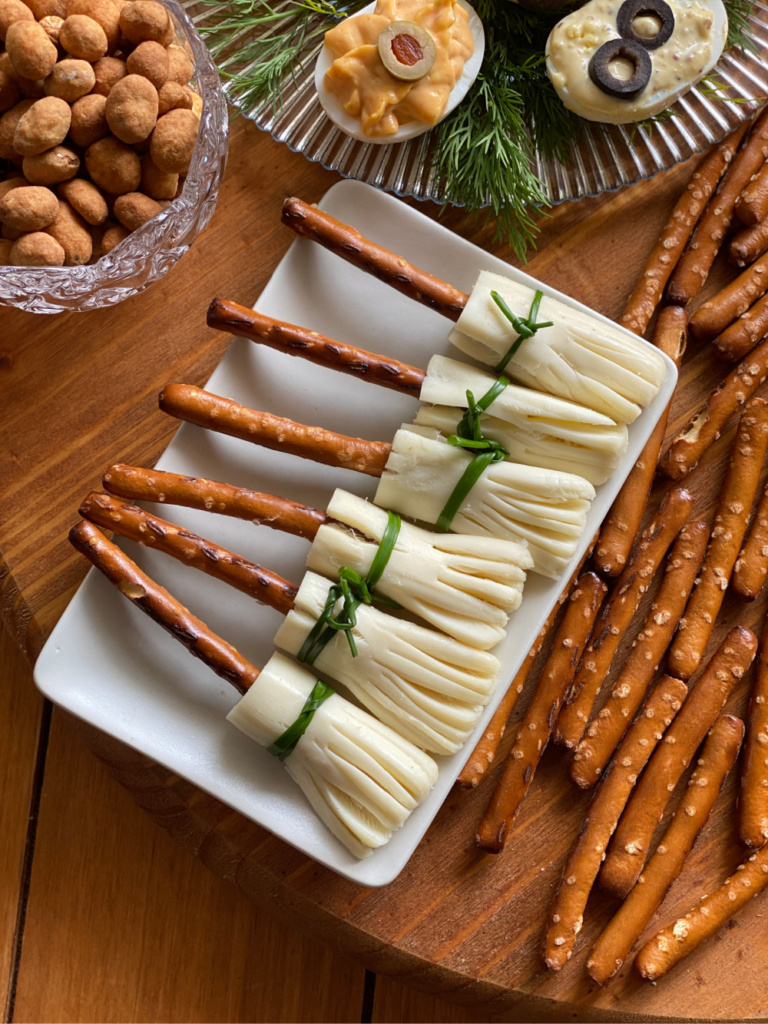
x=604 y=158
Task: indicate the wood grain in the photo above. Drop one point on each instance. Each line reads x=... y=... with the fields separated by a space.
x=81 y=394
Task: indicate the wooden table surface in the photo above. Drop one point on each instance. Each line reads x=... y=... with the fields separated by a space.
x=112 y=918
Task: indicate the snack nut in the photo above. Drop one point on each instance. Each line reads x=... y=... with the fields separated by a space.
x=98 y=123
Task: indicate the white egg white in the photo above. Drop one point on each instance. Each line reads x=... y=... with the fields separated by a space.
x=411 y=129
x=577 y=37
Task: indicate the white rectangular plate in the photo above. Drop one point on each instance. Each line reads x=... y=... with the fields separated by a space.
x=116 y=669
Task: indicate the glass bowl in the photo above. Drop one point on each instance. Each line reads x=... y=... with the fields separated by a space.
x=150 y=251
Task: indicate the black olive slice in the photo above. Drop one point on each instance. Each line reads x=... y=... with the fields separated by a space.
x=625 y=88
x=630 y=10
x=407 y=50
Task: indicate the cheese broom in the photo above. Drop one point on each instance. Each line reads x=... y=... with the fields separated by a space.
x=464 y=585
x=537 y=429
x=570 y=354
x=361 y=778
x=422 y=476
x=428 y=687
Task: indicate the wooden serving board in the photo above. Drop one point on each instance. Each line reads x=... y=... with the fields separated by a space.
x=79 y=391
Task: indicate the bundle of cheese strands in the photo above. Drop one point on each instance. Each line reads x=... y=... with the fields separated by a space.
x=427 y=686
x=361 y=778
x=578 y=357
x=536 y=428
x=466 y=586
x=542 y=507
x=420 y=471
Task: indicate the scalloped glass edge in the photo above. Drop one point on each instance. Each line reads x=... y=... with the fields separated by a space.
x=604 y=159
x=149 y=252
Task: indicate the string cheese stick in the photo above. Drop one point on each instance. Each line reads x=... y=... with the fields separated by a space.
x=695 y=263
x=720 y=750
x=631 y=842
x=138 y=484
x=225 y=315
x=228 y=417
x=309 y=222
x=622 y=524
x=751 y=568
x=708 y=423
x=481 y=758
x=671 y=945
x=617 y=614
x=604 y=733
x=740 y=337
x=673 y=238
x=753 y=794
x=588 y=850
x=752 y=204
x=731 y=302
x=746 y=245
x=731 y=518
x=536 y=727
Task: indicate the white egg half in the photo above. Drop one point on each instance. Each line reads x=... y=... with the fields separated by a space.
x=411 y=129
x=693 y=49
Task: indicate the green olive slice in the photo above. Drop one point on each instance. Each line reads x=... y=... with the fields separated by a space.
x=407 y=50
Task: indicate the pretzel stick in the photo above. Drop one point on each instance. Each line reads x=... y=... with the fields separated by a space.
x=309 y=222
x=536 y=728
x=751 y=568
x=752 y=204
x=740 y=337
x=481 y=758
x=228 y=417
x=753 y=794
x=721 y=749
x=161 y=606
x=617 y=614
x=695 y=263
x=137 y=525
x=299 y=341
x=731 y=518
x=622 y=524
x=586 y=854
x=629 y=848
x=669 y=946
x=139 y=484
x=672 y=240
x=746 y=245
x=706 y=426
x=604 y=734
x=734 y=300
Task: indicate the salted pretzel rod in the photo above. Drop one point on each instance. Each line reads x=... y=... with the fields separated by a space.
x=162 y=607
x=228 y=417
x=225 y=315
x=740 y=337
x=671 y=945
x=751 y=568
x=566 y=914
x=309 y=222
x=753 y=793
x=731 y=302
x=695 y=263
x=720 y=750
x=752 y=204
x=622 y=524
x=707 y=424
x=617 y=614
x=536 y=727
x=731 y=518
x=482 y=757
x=599 y=742
x=138 y=484
x=748 y=244
x=142 y=527
x=631 y=842
x=675 y=234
